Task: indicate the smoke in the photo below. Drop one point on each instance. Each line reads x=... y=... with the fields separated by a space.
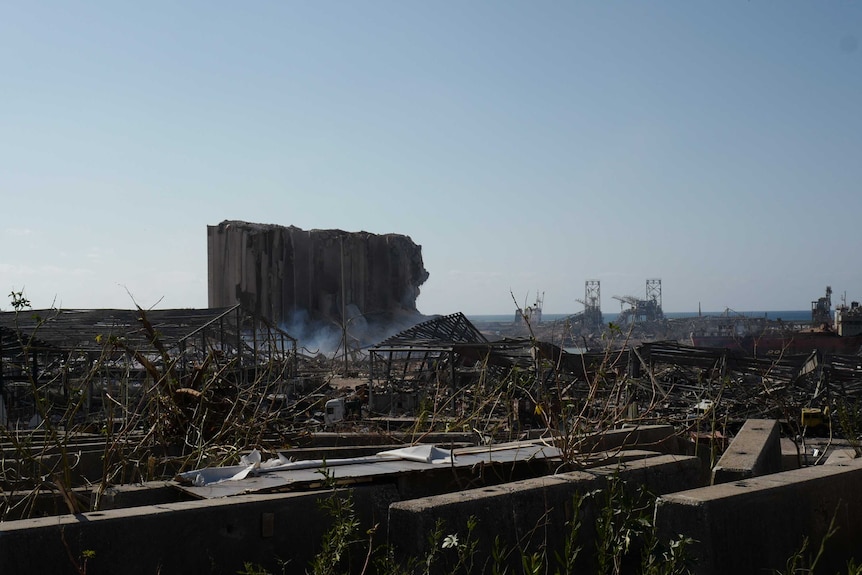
x=325 y=337
x=313 y=337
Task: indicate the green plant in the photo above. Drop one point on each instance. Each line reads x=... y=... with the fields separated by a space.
x=801 y=560
x=626 y=540
x=249 y=568
x=465 y=548
x=342 y=534
x=499 y=556
x=669 y=559
x=854 y=568
x=568 y=556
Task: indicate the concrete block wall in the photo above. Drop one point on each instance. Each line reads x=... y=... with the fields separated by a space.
x=530 y=512
x=756 y=450
x=220 y=535
x=742 y=526
x=661 y=438
x=754 y=525
x=212 y=536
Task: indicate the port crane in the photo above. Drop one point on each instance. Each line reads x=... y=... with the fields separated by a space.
x=639 y=310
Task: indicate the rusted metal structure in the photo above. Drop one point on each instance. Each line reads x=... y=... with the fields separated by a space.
x=60 y=349
x=420 y=352
x=447 y=356
x=591 y=318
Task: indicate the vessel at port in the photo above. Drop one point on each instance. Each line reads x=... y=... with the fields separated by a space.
x=838 y=333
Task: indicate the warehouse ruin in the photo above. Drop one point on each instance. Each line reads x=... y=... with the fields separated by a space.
x=178 y=439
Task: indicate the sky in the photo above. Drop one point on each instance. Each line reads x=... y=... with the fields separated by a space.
x=526 y=146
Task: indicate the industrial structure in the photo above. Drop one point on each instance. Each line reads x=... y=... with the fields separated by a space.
x=592 y=302
x=760 y=336
x=531 y=315
x=298 y=278
x=642 y=310
x=821 y=309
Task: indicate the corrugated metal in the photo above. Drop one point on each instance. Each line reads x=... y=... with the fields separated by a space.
x=371 y=469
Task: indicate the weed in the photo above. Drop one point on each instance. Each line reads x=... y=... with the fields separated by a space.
x=338 y=539
x=802 y=562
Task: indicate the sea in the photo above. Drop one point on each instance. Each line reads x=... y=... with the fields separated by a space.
x=610 y=317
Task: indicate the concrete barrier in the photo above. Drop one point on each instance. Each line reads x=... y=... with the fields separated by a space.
x=841 y=456
x=525 y=514
x=223 y=534
x=123 y=496
x=756 y=450
x=754 y=525
x=660 y=438
x=792 y=456
x=332 y=439
x=189 y=537
x=16 y=505
x=82 y=466
x=192 y=536
x=47 y=501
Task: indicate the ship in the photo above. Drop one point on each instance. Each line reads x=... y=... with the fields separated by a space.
x=837 y=333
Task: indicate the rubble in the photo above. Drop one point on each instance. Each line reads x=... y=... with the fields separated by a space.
x=224 y=394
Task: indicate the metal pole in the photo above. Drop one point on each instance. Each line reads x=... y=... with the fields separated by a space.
x=240 y=371
x=452 y=378
x=255 y=361
x=343 y=309
x=1 y=365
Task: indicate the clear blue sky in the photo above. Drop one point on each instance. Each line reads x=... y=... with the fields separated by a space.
x=525 y=145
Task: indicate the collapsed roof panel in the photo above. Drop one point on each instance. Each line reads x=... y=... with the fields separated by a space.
x=363 y=469
x=445 y=330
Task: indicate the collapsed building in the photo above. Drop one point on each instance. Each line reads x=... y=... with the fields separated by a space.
x=96 y=361
x=526 y=425
x=654 y=414
x=610 y=422
x=323 y=278
x=648 y=382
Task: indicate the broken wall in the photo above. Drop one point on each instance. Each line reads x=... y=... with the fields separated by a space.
x=288 y=274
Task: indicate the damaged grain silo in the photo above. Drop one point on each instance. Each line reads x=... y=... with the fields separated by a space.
x=323 y=278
